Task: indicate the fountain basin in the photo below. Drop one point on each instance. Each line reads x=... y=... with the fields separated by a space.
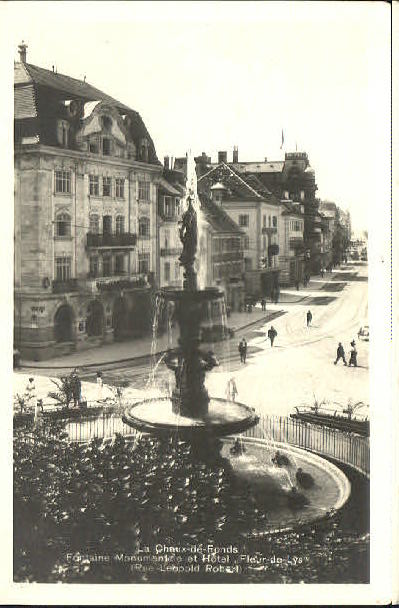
x=224 y=417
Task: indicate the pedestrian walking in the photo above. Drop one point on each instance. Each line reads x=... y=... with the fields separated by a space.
x=30 y=394
x=242 y=349
x=76 y=388
x=297 y=285
x=263 y=304
x=309 y=318
x=100 y=385
x=353 y=355
x=340 y=354
x=231 y=390
x=271 y=334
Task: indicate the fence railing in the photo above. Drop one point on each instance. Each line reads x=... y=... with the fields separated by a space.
x=347 y=448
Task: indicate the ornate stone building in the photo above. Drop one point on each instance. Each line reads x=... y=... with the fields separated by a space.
x=86 y=181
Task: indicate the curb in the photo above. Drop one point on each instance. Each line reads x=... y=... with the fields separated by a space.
x=138 y=357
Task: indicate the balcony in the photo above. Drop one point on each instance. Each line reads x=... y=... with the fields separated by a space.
x=116 y=280
x=106 y=241
x=170 y=251
x=170 y=217
x=269 y=230
x=65 y=286
x=273 y=249
x=228 y=256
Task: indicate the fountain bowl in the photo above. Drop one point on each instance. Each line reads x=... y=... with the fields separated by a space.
x=155 y=416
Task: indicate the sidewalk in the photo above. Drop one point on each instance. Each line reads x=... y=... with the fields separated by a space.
x=139 y=348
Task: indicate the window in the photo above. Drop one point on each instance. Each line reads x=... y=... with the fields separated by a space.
x=106 y=146
x=63 y=182
x=120 y=187
x=177 y=201
x=302 y=195
x=248 y=263
x=144 y=263
x=94 y=266
x=107 y=191
x=264 y=221
x=144 y=191
x=274 y=221
x=63 y=133
x=93 y=147
x=63 y=224
x=264 y=243
x=246 y=242
x=167 y=271
x=243 y=220
x=107 y=224
x=167 y=236
x=286 y=194
x=63 y=268
x=94 y=224
x=270 y=221
x=168 y=206
x=119 y=224
x=119 y=263
x=94 y=188
x=177 y=271
x=144 y=227
x=107 y=265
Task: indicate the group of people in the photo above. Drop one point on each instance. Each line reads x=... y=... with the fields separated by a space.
x=341 y=354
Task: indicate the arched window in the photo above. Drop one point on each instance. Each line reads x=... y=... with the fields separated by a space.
x=63 y=224
x=144 y=227
x=119 y=224
x=94 y=224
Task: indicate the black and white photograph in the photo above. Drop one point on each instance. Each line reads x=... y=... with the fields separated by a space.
x=196 y=188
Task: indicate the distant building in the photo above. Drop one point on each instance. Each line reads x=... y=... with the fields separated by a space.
x=293 y=180
x=170 y=192
x=256 y=211
x=86 y=175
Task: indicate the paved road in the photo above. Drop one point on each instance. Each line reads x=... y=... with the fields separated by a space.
x=300 y=364
x=298 y=367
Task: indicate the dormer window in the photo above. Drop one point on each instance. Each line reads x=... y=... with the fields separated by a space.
x=106 y=122
x=63 y=133
x=106 y=146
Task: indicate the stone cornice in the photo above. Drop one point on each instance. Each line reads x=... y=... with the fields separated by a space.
x=39 y=149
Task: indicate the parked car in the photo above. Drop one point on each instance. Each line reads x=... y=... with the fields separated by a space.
x=364 y=333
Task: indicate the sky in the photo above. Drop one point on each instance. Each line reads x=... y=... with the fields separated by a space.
x=207 y=76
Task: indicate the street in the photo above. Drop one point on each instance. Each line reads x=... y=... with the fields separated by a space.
x=297 y=370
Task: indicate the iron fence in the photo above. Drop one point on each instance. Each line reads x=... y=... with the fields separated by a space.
x=348 y=448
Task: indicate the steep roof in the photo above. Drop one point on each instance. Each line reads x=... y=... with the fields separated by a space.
x=217 y=217
x=261 y=167
x=239 y=186
x=67 y=85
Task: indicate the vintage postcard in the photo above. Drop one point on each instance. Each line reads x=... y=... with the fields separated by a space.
x=197 y=204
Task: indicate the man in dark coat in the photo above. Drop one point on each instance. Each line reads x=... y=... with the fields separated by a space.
x=309 y=318
x=76 y=388
x=271 y=334
x=340 y=354
x=242 y=349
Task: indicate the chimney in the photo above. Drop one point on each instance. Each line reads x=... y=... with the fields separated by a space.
x=22 y=52
x=166 y=162
x=222 y=157
x=235 y=154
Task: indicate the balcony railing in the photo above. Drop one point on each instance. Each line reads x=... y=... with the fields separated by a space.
x=228 y=256
x=64 y=286
x=296 y=242
x=170 y=251
x=269 y=230
x=125 y=239
x=170 y=217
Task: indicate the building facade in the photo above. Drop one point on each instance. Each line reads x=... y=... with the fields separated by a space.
x=170 y=192
x=86 y=182
x=256 y=212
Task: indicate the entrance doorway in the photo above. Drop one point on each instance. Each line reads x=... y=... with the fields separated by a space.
x=63 y=324
x=95 y=319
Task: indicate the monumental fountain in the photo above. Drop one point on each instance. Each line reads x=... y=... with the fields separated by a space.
x=205 y=426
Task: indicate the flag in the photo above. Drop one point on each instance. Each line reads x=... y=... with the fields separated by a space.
x=282 y=139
